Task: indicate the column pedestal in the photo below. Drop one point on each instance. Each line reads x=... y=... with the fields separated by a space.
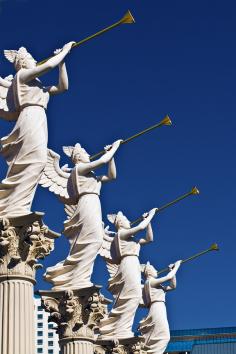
x=23 y=240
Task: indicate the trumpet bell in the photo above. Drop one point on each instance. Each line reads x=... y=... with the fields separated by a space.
x=166 y=121
x=195 y=191
x=127 y=18
x=214 y=247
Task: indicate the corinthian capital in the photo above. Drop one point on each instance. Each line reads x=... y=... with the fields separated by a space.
x=75 y=312
x=23 y=241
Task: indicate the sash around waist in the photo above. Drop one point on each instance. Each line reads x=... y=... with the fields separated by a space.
x=21 y=108
x=85 y=193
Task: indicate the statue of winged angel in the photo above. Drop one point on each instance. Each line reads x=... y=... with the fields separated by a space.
x=79 y=189
x=125 y=274
x=23 y=99
x=154 y=327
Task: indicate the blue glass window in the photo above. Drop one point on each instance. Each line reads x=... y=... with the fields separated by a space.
x=205 y=340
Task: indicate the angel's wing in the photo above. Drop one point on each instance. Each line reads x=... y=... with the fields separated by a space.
x=70 y=210
x=105 y=252
x=53 y=177
x=7 y=106
x=112 y=268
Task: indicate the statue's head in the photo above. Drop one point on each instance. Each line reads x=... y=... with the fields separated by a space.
x=119 y=220
x=150 y=271
x=21 y=58
x=76 y=153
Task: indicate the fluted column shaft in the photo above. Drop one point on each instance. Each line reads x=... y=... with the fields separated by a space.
x=16 y=317
x=77 y=347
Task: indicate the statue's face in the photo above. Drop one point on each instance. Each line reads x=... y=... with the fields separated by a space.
x=123 y=222
x=152 y=272
x=81 y=156
x=29 y=62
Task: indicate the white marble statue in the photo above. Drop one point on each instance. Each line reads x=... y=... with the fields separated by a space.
x=84 y=227
x=125 y=271
x=155 y=327
x=24 y=99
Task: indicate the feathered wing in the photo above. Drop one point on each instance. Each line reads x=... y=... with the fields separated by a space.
x=10 y=54
x=105 y=252
x=53 y=177
x=7 y=105
x=70 y=210
x=112 y=268
x=4 y=87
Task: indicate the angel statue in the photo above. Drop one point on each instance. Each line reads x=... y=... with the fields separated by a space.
x=24 y=99
x=125 y=271
x=155 y=327
x=84 y=227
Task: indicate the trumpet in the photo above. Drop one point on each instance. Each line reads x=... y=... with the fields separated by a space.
x=194 y=191
x=126 y=19
x=213 y=247
x=165 y=121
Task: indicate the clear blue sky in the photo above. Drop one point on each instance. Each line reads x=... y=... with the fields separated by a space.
x=178 y=59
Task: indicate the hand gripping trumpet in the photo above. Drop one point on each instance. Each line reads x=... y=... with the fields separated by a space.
x=126 y=19
x=165 y=121
x=194 y=191
x=213 y=247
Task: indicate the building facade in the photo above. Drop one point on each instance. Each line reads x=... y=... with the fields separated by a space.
x=203 y=341
x=46 y=339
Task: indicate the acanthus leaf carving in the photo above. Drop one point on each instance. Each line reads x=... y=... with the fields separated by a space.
x=22 y=246
x=76 y=315
x=97 y=309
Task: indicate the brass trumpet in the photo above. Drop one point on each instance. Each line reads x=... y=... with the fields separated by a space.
x=165 y=121
x=213 y=247
x=194 y=191
x=126 y=19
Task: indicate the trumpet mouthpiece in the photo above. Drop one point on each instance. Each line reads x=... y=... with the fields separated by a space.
x=195 y=191
x=214 y=247
x=166 y=121
x=127 y=18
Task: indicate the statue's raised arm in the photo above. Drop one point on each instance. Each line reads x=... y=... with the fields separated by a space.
x=24 y=99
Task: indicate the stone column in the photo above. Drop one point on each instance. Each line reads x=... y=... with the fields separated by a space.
x=23 y=240
x=77 y=314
